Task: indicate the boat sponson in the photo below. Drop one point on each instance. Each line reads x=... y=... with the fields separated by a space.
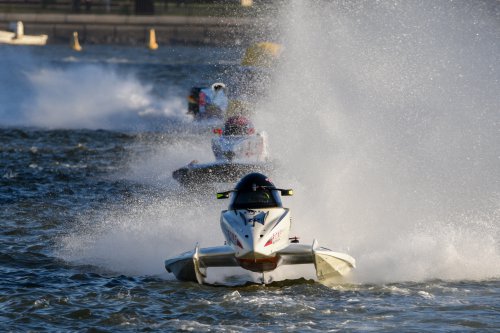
x=183 y=269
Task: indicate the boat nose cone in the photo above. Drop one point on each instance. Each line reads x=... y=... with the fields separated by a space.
x=252 y=247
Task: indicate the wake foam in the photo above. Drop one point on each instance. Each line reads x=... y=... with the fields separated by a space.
x=96 y=97
x=92 y=96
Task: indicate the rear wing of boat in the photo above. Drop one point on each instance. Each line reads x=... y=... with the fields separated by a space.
x=225 y=194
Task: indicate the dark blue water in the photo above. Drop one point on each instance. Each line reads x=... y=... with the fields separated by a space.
x=53 y=180
x=89 y=211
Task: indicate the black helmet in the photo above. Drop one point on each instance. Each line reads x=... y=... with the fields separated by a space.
x=255 y=190
x=253 y=181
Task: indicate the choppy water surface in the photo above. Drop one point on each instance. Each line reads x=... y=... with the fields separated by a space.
x=56 y=183
x=391 y=147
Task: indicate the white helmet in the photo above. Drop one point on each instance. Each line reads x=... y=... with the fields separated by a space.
x=218 y=85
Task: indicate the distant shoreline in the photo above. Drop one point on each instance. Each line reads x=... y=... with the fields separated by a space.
x=134 y=30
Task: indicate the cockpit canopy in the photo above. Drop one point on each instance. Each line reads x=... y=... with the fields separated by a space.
x=261 y=198
x=255 y=190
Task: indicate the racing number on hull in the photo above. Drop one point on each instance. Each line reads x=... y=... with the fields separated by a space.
x=231 y=237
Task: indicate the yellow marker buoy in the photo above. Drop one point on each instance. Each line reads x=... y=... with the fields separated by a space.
x=262 y=54
x=75 y=45
x=152 y=44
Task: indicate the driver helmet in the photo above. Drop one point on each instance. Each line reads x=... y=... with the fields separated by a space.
x=238 y=125
x=218 y=86
x=255 y=190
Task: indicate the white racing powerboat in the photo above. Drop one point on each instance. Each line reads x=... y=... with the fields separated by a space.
x=19 y=38
x=256 y=229
x=238 y=150
x=208 y=102
x=238 y=141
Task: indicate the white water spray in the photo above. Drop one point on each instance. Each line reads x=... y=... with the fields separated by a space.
x=385 y=117
x=136 y=239
x=95 y=96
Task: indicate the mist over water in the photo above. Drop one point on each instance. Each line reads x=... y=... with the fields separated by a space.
x=137 y=238
x=75 y=93
x=385 y=118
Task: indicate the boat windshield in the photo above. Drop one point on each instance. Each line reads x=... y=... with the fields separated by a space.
x=262 y=198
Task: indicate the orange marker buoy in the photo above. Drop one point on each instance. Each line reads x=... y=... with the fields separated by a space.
x=152 y=44
x=75 y=44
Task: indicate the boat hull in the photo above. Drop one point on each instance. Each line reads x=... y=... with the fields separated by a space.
x=10 y=38
x=218 y=172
